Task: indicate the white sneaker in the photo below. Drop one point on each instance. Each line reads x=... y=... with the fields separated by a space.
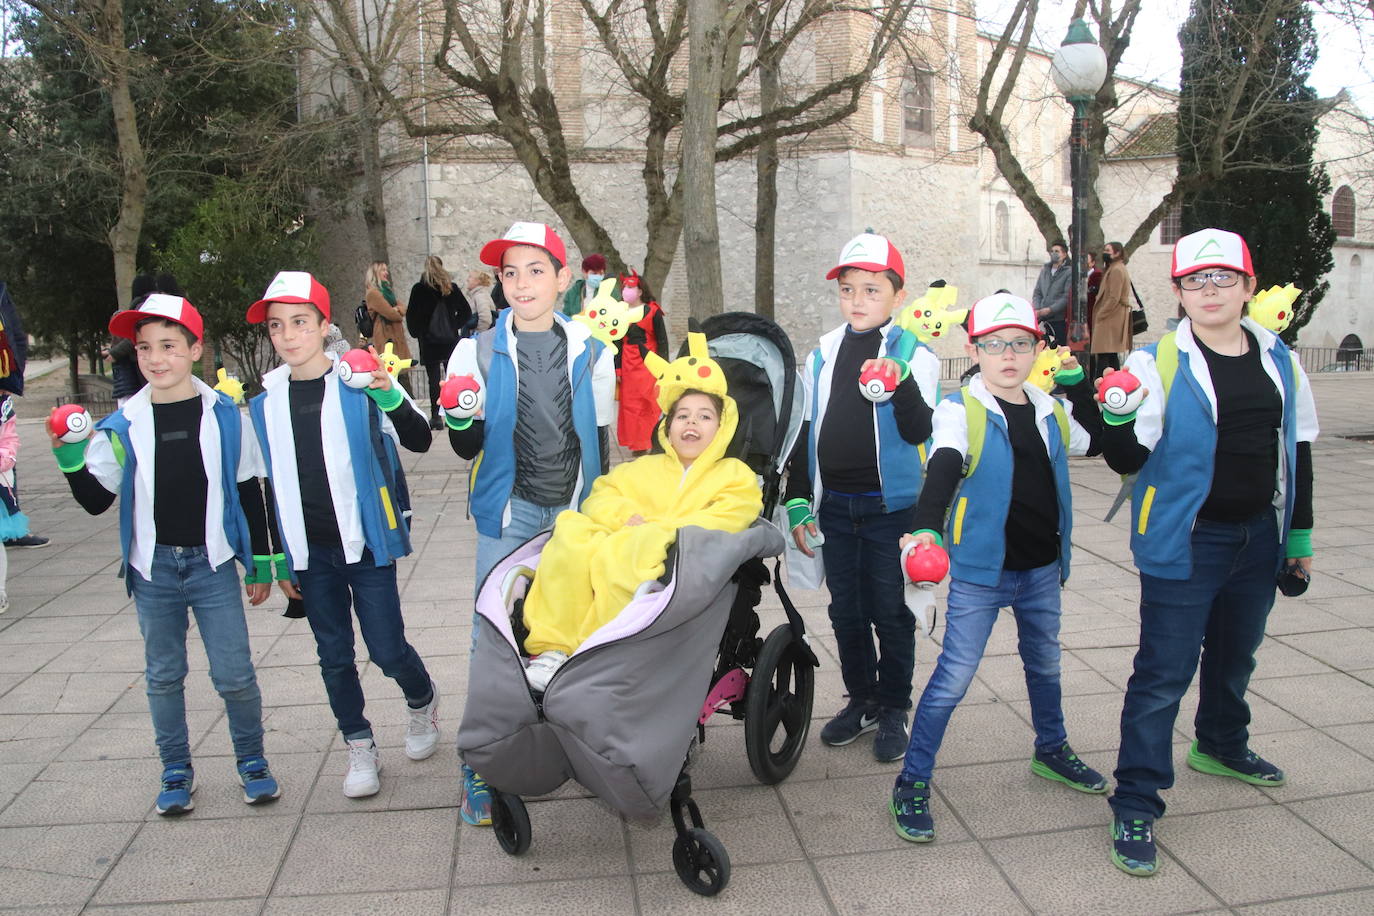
x=542 y=667
x=364 y=763
x=422 y=732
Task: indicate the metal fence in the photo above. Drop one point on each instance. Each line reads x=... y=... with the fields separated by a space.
x=1335 y=359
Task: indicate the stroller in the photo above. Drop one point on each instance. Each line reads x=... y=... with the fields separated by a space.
x=622 y=715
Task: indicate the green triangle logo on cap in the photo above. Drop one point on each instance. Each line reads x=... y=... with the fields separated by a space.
x=856 y=247
x=1211 y=246
x=1003 y=310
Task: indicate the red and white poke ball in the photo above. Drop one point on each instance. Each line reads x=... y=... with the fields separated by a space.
x=70 y=423
x=877 y=384
x=926 y=564
x=1120 y=391
x=461 y=396
x=356 y=368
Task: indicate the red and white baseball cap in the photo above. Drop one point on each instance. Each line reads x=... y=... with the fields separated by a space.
x=537 y=235
x=1211 y=248
x=1001 y=310
x=159 y=305
x=290 y=286
x=869 y=252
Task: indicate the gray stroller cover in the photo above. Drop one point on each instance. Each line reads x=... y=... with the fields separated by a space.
x=620 y=715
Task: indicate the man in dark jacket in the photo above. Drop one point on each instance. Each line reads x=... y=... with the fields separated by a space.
x=1051 y=296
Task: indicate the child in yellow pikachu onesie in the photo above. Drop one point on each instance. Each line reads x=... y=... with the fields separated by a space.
x=598 y=557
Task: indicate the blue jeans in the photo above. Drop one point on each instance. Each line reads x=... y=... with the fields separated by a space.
x=863 y=570
x=329 y=586
x=526 y=520
x=1220 y=612
x=1033 y=596
x=182 y=578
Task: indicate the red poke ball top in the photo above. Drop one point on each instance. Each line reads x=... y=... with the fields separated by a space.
x=70 y=423
x=356 y=367
x=927 y=564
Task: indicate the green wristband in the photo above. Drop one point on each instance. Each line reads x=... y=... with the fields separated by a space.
x=280 y=570
x=906 y=371
x=1070 y=376
x=457 y=425
x=798 y=512
x=71 y=456
x=1117 y=419
x=388 y=399
x=1299 y=543
x=261 y=571
x=939 y=538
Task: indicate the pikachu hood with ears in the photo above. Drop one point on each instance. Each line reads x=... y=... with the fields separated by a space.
x=594 y=562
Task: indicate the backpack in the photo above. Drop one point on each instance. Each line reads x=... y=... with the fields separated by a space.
x=365 y=319
x=976 y=416
x=441 y=331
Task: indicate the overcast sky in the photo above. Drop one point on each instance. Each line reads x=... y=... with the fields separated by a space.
x=1154 y=53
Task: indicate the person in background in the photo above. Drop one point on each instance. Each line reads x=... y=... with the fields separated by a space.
x=437 y=315
x=1051 y=296
x=388 y=324
x=1111 y=321
x=480 y=294
x=593 y=272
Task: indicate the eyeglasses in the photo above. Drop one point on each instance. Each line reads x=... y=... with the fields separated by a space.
x=1221 y=279
x=995 y=346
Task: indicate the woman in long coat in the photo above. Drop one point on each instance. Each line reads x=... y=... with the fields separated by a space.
x=1111 y=321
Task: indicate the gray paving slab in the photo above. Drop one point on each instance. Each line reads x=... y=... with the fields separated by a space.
x=78 y=769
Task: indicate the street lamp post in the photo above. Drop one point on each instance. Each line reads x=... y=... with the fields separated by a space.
x=1079 y=69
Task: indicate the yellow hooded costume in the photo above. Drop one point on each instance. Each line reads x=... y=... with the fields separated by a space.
x=594 y=562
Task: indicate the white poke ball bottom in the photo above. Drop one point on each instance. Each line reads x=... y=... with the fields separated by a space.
x=876 y=391
x=467 y=400
x=78 y=425
x=354 y=378
x=1118 y=401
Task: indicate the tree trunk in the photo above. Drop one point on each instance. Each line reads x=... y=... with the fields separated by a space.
x=374 y=197
x=73 y=361
x=766 y=179
x=705 y=289
x=124 y=234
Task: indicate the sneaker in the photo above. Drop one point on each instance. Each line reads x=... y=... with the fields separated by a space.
x=259 y=785
x=910 y=810
x=436 y=422
x=1133 y=846
x=542 y=667
x=178 y=784
x=890 y=744
x=1251 y=768
x=422 y=732
x=28 y=540
x=476 y=808
x=364 y=763
x=857 y=718
x=1064 y=766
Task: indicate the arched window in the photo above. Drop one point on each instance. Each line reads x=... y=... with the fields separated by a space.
x=1352 y=287
x=918 y=108
x=1350 y=354
x=1001 y=228
x=1343 y=212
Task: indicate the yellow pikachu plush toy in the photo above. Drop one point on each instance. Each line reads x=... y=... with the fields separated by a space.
x=607 y=317
x=931 y=317
x=1273 y=308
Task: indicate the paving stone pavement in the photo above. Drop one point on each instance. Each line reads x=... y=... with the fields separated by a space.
x=78 y=768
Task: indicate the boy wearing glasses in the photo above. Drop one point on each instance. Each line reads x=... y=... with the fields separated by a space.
x=1223 y=499
x=1007 y=537
x=857 y=466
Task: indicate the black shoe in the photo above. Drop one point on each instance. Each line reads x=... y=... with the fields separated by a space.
x=857 y=718
x=28 y=540
x=890 y=744
x=436 y=422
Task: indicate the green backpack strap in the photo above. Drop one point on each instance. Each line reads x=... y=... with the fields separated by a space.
x=1166 y=361
x=976 y=418
x=1062 y=419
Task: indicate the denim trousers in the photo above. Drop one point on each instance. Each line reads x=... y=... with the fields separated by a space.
x=330 y=585
x=182 y=579
x=1218 y=612
x=1033 y=596
x=863 y=571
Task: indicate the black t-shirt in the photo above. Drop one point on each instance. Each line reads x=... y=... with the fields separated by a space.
x=317 y=504
x=548 y=454
x=847 y=451
x=1032 y=529
x=179 y=483
x=1249 y=412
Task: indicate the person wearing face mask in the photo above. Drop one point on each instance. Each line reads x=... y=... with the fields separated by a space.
x=1111 y=321
x=1051 y=296
x=593 y=272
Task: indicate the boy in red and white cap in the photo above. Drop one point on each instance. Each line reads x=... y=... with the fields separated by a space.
x=546 y=396
x=853 y=479
x=1003 y=444
x=330 y=451
x=186 y=472
x=1221 y=508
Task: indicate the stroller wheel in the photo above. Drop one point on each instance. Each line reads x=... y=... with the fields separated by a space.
x=510 y=822
x=777 y=706
x=701 y=862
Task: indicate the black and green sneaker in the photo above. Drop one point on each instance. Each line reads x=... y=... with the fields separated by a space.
x=1133 y=846
x=1064 y=766
x=910 y=810
x=1251 y=768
